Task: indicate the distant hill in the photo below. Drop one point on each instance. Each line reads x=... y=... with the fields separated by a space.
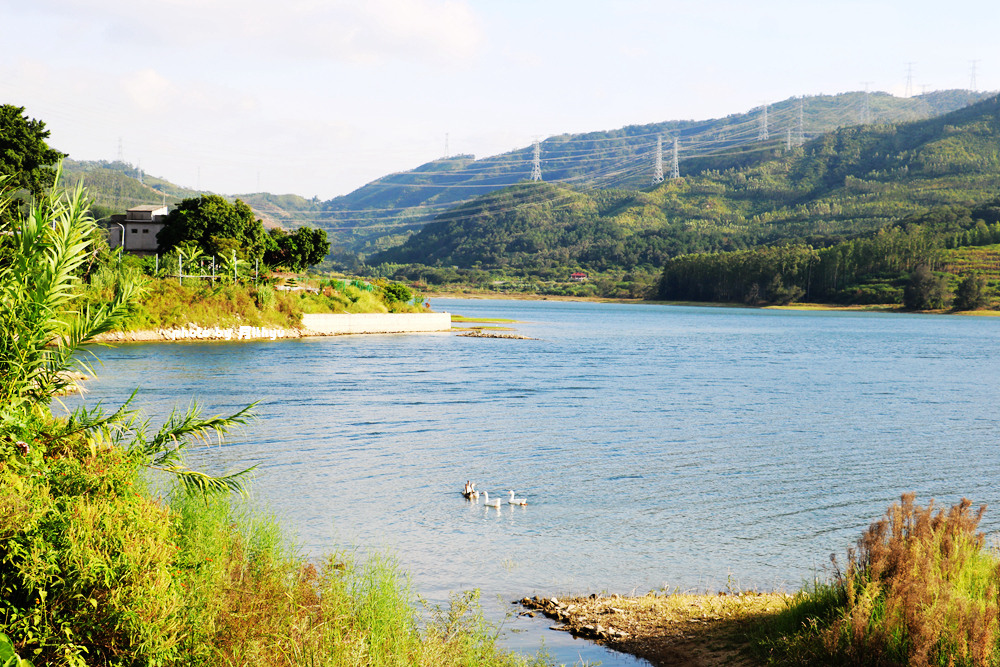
x=386 y=212
x=844 y=183
x=388 y=209
x=115 y=186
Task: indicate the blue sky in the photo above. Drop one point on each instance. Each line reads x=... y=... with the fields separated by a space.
x=318 y=97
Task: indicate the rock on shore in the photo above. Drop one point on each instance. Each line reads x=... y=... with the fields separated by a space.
x=194 y=332
x=676 y=629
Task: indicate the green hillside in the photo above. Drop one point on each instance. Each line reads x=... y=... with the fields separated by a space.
x=287 y=211
x=846 y=183
x=115 y=186
x=385 y=211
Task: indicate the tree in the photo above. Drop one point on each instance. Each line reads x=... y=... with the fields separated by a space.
x=304 y=247
x=215 y=226
x=397 y=292
x=25 y=158
x=971 y=293
x=924 y=290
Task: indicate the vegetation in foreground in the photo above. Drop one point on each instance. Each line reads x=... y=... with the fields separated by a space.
x=921 y=588
x=96 y=569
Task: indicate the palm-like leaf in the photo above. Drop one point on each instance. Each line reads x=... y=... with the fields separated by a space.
x=42 y=334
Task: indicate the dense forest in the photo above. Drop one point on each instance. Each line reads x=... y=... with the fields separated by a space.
x=855 y=185
x=872 y=269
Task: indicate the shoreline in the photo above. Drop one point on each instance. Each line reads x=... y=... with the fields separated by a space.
x=323 y=324
x=803 y=306
x=665 y=629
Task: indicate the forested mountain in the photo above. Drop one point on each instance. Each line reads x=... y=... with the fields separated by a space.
x=846 y=183
x=718 y=156
x=115 y=186
x=385 y=211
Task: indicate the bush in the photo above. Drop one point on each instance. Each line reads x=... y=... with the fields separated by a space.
x=397 y=292
x=919 y=590
x=971 y=293
x=85 y=559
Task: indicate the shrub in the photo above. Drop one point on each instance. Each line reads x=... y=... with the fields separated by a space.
x=924 y=290
x=84 y=558
x=920 y=589
x=971 y=293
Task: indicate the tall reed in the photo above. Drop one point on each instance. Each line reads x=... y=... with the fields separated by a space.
x=919 y=589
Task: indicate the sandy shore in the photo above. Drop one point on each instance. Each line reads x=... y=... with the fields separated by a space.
x=674 y=629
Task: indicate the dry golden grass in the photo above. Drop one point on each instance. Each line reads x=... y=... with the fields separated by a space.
x=920 y=590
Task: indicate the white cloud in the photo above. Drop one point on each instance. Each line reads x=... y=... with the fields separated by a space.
x=148 y=91
x=370 y=30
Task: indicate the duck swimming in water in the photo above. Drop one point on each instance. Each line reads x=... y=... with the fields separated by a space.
x=516 y=501
x=490 y=503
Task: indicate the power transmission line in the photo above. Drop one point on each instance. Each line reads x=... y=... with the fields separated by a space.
x=675 y=171
x=658 y=162
x=762 y=134
x=866 y=110
x=801 y=138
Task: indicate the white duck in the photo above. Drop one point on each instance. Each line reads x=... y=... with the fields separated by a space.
x=490 y=503
x=516 y=501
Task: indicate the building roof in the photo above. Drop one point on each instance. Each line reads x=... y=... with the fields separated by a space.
x=147 y=207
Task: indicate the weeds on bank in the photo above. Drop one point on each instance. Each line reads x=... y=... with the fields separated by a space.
x=95 y=572
x=920 y=589
x=248 y=600
x=168 y=304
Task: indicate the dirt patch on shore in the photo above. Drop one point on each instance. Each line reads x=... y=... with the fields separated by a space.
x=666 y=630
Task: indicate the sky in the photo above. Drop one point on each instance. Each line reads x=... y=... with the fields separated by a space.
x=319 y=97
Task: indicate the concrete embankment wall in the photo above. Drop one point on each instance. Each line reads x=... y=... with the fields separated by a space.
x=373 y=323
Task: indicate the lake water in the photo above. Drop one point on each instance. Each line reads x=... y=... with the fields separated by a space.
x=659 y=447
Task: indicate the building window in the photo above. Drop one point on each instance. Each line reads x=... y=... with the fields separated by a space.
x=145 y=231
x=135 y=231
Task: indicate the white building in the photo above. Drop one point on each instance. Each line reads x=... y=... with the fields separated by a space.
x=136 y=231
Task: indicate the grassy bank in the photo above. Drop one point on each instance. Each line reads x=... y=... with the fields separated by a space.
x=919 y=589
x=167 y=303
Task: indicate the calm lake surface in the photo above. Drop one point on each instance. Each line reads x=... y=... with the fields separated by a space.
x=658 y=446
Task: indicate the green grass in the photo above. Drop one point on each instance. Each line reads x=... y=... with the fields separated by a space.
x=94 y=570
x=169 y=304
